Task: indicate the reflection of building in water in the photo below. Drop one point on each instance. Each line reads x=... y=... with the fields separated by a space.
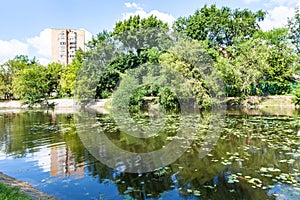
x=63 y=162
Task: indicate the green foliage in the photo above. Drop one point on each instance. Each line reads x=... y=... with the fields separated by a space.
x=260 y=66
x=139 y=33
x=12 y=193
x=53 y=74
x=8 y=71
x=166 y=98
x=294 y=30
x=5 y=82
x=67 y=77
x=31 y=84
x=113 y=72
x=190 y=59
x=277 y=76
x=220 y=26
x=296 y=92
x=94 y=64
x=277 y=36
x=98 y=39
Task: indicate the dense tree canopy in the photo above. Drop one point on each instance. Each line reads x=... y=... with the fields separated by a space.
x=9 y=71
x=294 y=30
x=141 y=33
x=220 y=25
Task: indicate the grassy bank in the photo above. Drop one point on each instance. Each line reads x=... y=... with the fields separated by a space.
x=12 y=193
x=261 y=102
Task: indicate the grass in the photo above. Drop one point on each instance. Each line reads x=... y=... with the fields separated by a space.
x=277 y=101
x=12 y=193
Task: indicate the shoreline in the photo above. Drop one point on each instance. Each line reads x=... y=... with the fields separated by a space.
x=61 y=105
x=25 y=188
x=232 y=102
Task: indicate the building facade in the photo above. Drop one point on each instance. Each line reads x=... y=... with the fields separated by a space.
x=65 y=42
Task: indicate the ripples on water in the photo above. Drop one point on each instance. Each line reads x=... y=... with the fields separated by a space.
x=256 y=157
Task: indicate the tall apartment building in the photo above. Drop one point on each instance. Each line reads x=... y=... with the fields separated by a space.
x=65 y=42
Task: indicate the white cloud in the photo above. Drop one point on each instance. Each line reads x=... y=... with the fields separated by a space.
x=42 y=43
x=277 y=17
x=9 y=49
x=251 y=1
x=38 y=46
x=42 y=157
x=143 y=14
x=43 y=60
x=132 y=5
x=284 y=2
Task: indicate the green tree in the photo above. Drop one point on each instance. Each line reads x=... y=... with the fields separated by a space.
x=220 y=26
x=98 y=39
x=190 y=59
x=113 y=72
x=259 y=66
x=67 y=77
x=53 y=74
x=294 y=29
x=296 y=99
x=9 y=70
x=278 y=76
x=5 y=82
x=107 y=61
x=93 y=64
x=242 y=71
x=141 y=33
x=31 y=84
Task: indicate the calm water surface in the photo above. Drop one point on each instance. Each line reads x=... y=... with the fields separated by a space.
x=256 y=157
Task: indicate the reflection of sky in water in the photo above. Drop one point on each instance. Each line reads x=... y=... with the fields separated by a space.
x=42 y=157
x=285 y=192
x=35 y=168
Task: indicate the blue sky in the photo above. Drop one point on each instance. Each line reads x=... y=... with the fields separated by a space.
x=25 y=24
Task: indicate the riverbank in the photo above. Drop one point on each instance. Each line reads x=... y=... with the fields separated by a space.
x=101 y=104
x=60 y=105
x=25 y=188
x=262 y=102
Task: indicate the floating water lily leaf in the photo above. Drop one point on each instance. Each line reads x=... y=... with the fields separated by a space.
x=197 y=193
x=263 y=169
x=230 y=181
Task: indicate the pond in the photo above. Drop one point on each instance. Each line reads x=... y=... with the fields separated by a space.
x=254 y=156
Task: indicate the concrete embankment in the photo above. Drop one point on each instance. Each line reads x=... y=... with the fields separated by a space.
x=60 y=105
x=72 y=105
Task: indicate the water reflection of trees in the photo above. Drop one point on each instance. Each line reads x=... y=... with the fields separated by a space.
x=189 y=172
x=23 y=133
